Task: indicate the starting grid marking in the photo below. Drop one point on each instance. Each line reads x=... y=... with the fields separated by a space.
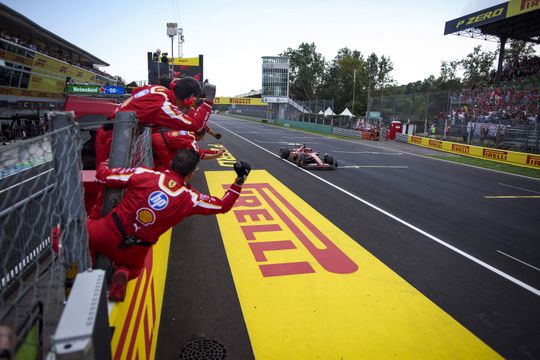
x=299 y=278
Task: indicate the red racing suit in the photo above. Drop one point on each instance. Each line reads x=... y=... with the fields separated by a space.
x=165 y=144
x=153 y=202
x=154 y=106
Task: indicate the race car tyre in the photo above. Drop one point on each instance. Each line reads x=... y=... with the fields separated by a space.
x=284 y=153
x=329 y=159
x=301 y=160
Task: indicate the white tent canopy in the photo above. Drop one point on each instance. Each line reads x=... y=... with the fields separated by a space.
x=346 y=112
x=320 y=112
x=329 y=112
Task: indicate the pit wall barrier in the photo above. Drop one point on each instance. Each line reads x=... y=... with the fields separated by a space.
x=502 y=156
x=136 y=319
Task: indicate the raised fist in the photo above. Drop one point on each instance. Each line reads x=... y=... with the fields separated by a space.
x=242 y=170
x=217 y=136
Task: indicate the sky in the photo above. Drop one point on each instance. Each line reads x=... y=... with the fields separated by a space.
x=233 y=35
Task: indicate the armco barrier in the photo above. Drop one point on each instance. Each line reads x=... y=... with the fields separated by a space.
x=325 y=129
x=502 y=156
x=402 y=137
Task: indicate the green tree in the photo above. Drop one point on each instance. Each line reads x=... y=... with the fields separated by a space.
x=477 y=67
x=385 y=67
x=339 y=80
x=306 y=71
x=518 y=51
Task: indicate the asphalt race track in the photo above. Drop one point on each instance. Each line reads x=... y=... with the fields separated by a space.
x=466 y=238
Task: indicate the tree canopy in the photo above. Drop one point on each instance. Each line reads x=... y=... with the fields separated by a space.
x=350 y=75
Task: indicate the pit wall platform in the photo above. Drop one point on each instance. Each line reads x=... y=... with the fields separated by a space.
x=135 y=321
x=502 y=156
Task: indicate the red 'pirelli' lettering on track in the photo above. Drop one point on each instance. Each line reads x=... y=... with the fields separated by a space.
x=330 y=257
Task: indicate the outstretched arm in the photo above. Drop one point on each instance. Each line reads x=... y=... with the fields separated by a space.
x=206 y=204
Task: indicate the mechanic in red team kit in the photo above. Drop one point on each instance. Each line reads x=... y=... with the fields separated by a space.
x=158 y=106
x=166 y=143
x=153 y=202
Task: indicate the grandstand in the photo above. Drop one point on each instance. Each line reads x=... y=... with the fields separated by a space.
x=36 y=66
x=515 y=19
x=512 y=102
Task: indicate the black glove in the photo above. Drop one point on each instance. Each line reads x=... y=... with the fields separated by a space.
x=209 y=92
x=217 y=136
x=242 y=169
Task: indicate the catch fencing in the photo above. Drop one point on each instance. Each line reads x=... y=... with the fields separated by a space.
x=43 y=225
x=42 y=235
x=414 y=108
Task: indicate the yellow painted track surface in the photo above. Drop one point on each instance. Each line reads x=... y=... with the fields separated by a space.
x=308 y=291
x=136 y=319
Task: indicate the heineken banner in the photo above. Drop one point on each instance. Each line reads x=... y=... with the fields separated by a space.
x=95 y=90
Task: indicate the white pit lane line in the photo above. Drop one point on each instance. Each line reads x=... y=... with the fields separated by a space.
x=520 y=188
x=516 y=259
x=403 y=222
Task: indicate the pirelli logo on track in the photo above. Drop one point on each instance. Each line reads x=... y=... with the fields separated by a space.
x=269 y=224
x=435 y=144
x=299 y=277
x=226 y=159
x=495 y=154
x=416 y=140
x=464 y=149
x=533 y=160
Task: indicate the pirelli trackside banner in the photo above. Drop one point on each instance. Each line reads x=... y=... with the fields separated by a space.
x=491 y=14
x=194 y=61
x=482 y=17
x=503 y=156
x=193 y=67
x=239 y=101
x=518 y=7
x=44 y=83
x=50 y=65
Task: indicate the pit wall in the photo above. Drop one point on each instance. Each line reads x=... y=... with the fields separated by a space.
x=135 y=321
x=503 y=156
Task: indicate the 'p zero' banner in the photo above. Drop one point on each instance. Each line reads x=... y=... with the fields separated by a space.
x=482 y=17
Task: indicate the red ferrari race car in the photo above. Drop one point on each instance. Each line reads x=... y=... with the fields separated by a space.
x=306 y=158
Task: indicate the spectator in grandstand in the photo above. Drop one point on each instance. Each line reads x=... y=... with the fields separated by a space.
x=153 y=202
x=158 y=106
x=166 y=143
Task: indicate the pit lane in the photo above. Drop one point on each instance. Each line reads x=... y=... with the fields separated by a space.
x=382 y=196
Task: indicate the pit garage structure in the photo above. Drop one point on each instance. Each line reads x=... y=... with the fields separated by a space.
x=514 y=19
